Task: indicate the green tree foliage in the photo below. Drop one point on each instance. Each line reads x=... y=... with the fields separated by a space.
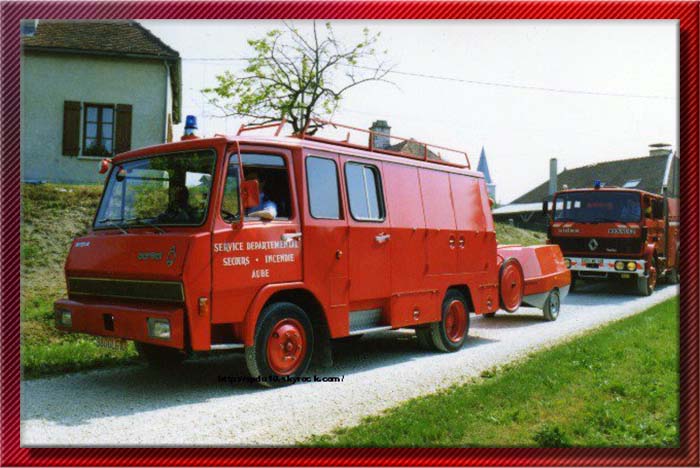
x=298 y=76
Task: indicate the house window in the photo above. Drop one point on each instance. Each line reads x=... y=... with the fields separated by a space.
x=98 y=133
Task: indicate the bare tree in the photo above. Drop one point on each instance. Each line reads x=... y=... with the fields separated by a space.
x=297 y=76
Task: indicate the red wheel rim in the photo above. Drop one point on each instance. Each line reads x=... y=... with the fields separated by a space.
x=286 y=346
x=455 y=321
x=511 y=286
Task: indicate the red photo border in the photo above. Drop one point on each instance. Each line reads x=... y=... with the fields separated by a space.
x=687 y=13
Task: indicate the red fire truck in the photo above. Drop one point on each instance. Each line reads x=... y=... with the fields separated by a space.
x=277 y=245
x=623 y=234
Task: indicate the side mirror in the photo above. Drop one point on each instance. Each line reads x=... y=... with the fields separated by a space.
x=104 y=165
x=545 y=211
x=250 y=191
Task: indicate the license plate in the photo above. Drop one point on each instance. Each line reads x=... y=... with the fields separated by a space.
x=111 y=343
x=594 y=261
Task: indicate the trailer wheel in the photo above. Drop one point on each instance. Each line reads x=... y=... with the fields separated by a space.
x=160 y=356
x=551 y=306
x=646 y=284
x=511 y=284
x=282 y=346
x=449 y=334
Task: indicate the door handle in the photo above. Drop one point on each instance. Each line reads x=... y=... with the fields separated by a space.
x=461 y=242
x=452 y=242
x=381 y=238
x=286 y=237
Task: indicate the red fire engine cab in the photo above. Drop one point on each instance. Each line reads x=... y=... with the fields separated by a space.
x=614 y=233
x=277 y=245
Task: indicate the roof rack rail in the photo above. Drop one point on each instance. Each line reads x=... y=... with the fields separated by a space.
x=247 y=128
x=422 y=151
x=423 y=147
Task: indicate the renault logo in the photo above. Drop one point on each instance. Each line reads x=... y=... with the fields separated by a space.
x=592 y=244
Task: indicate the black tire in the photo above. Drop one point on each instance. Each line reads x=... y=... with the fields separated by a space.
x=424 y=340
x=647 y=284
x=160 y=357
x=672 y=276
x=490 y=315
x=572 y=286
x=439 y=333
x=272 y=318
x=552 y=306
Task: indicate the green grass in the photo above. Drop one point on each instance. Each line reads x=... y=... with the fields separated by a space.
x=507 y=234
x=52 y=215
x=616 y=386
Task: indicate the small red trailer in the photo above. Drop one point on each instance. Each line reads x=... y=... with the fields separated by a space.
x=277 y=245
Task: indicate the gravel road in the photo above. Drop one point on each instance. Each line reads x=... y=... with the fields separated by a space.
x=134 y=406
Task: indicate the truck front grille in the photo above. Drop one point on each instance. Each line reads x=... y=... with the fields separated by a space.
x=170 y=291
x=606 y=246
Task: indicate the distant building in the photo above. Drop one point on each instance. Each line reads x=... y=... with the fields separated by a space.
x=645 y=173
x=483 y=167
x=91 y=89
x=382 y=140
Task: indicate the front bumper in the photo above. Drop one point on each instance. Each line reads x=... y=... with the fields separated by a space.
x=128 y=322
x=593 y=267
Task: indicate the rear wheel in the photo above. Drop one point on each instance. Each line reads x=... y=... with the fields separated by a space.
x=551 y=306
x=449 y=334
x=646 y=284
x=424 y=339
x=511 y=284
x=160 y=356
x=282 y=346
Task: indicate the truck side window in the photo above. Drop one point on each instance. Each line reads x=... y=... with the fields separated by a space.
x=364 y=192
x=324 y=199
x=273 y=179
x=230 y=204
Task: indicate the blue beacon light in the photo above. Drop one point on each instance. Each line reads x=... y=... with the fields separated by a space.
x=190 y=124
x=596 y=184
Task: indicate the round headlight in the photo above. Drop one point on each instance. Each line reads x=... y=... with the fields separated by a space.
x=567 y=262
x=619 y=265
x=631 y=266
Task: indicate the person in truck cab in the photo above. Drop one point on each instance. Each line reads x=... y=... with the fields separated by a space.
x=266 y=209
x=179 y=209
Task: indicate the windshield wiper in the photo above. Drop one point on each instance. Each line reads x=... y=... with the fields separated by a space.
x=147 y=223
x=112 y=223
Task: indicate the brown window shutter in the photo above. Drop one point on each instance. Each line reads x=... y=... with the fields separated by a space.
x=71 y=128
x=122 y=135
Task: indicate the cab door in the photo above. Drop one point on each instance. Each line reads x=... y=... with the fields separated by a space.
x=249 y=253
x=369 y=236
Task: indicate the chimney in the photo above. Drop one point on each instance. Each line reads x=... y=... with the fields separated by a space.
x=380 y=141
x=659 y=149
x=552 y=176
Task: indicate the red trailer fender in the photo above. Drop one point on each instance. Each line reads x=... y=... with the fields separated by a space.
x=543 y=268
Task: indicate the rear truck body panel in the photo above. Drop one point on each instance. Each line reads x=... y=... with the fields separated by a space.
x=543 y=269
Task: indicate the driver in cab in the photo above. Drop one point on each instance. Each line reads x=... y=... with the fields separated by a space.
x=266 y=209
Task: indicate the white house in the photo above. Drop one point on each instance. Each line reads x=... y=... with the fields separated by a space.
x=91 y=89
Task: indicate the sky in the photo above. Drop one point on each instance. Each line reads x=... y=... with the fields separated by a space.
x=619 y=81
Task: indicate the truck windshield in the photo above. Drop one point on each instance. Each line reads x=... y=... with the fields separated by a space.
x=597 y=207
x=163 y=190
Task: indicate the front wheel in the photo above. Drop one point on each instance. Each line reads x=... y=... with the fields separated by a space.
x=282 y=346
x=551 y=306
x=646 y=284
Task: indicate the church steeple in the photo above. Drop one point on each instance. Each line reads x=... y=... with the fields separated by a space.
x=483 y=167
